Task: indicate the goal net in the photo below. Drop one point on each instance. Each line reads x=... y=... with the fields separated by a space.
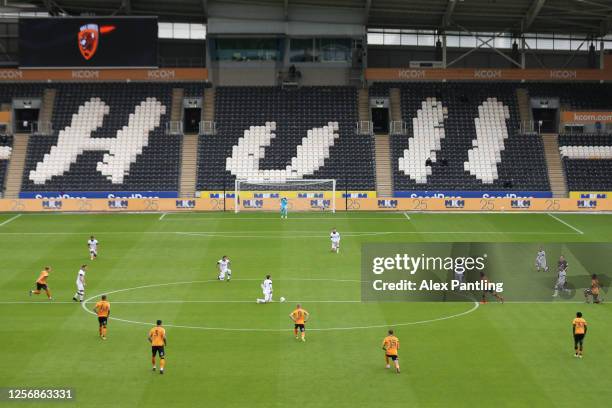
x=301 y=195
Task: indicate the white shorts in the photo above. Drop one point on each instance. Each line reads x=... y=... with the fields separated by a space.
x=268 y=296
x=80 y=287
x=335 y=244
x=541 y=263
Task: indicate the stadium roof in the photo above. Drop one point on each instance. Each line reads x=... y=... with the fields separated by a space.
x=542 y=16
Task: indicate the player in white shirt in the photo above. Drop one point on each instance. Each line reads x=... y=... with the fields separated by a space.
x=223 y=268
x=92 y=244
x=541 y=261
x=335 y=241
x=80 y=284
x=266 y=287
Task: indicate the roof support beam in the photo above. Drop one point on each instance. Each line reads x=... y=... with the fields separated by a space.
x=205 y=8
x=448 y=14
x=286 y=10
x=531 y=15
x=127 y=6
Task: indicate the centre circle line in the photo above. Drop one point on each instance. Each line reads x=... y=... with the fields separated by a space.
x=475 y=306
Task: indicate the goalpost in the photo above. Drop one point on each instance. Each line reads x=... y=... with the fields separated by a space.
x=301 y=195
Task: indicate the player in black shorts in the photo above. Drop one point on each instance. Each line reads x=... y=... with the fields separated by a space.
x=157 y=338
x=579 y=329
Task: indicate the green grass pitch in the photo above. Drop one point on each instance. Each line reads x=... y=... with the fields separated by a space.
x=224 y=350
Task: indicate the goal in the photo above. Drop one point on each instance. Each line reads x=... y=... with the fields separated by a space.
x=301 y=195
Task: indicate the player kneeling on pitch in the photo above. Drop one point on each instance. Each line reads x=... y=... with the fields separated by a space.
x=391 y=346
x=593 y=291
x=266 y=287
x=299 y=317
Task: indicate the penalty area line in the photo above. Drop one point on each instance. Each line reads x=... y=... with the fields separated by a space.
x=10 y=220
x=566 y=223
x=161 y=217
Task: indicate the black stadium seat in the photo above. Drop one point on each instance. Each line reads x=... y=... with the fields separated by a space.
x=522 y=164
x=156 y=169
x=295 y=112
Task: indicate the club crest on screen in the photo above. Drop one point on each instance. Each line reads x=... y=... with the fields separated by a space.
x=89 y=37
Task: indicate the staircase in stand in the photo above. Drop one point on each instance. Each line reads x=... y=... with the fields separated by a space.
x=384 y=174
x=364 y=105
x=46 y=109
x=176 y=112
x=524 y=105
x=14 y=173
x=395 y=104
x=189 y=159
x=208 y=110
x=556 y=174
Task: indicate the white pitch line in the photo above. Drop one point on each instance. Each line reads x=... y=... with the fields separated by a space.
x=330 y=218
x=238 y=329
x=406 y=215
x=566 y=223
x=179 y=301
x=151 y=302
x=10 y=219
x=275 y=233
x=161 y=217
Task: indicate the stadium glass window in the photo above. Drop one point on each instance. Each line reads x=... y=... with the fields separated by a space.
x=409 y=39
x=503 y=41
x=302 y=50
x=247 y=49
x=334 y=49
x=182 y=31
x=453 y=40
x=531 y=43
x=468 y=41
x=562 y=42
x=393 y=37
x=426 y=39
x=197 y=31
x=545 y=43
x=577 y=41
x=164 y=30
x=376 y=38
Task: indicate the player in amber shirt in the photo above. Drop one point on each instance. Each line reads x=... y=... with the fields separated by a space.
x=157 y=338
x=41 y=283
x=593 y=291
x=102 y=309
x=391 y=346
x=299 y=317
x=579 y=329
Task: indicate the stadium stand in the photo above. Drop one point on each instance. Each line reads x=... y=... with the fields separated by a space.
x=470 y=134
x=326 y=115
x=587 y=159
x=156 y=167
x=575 y=96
